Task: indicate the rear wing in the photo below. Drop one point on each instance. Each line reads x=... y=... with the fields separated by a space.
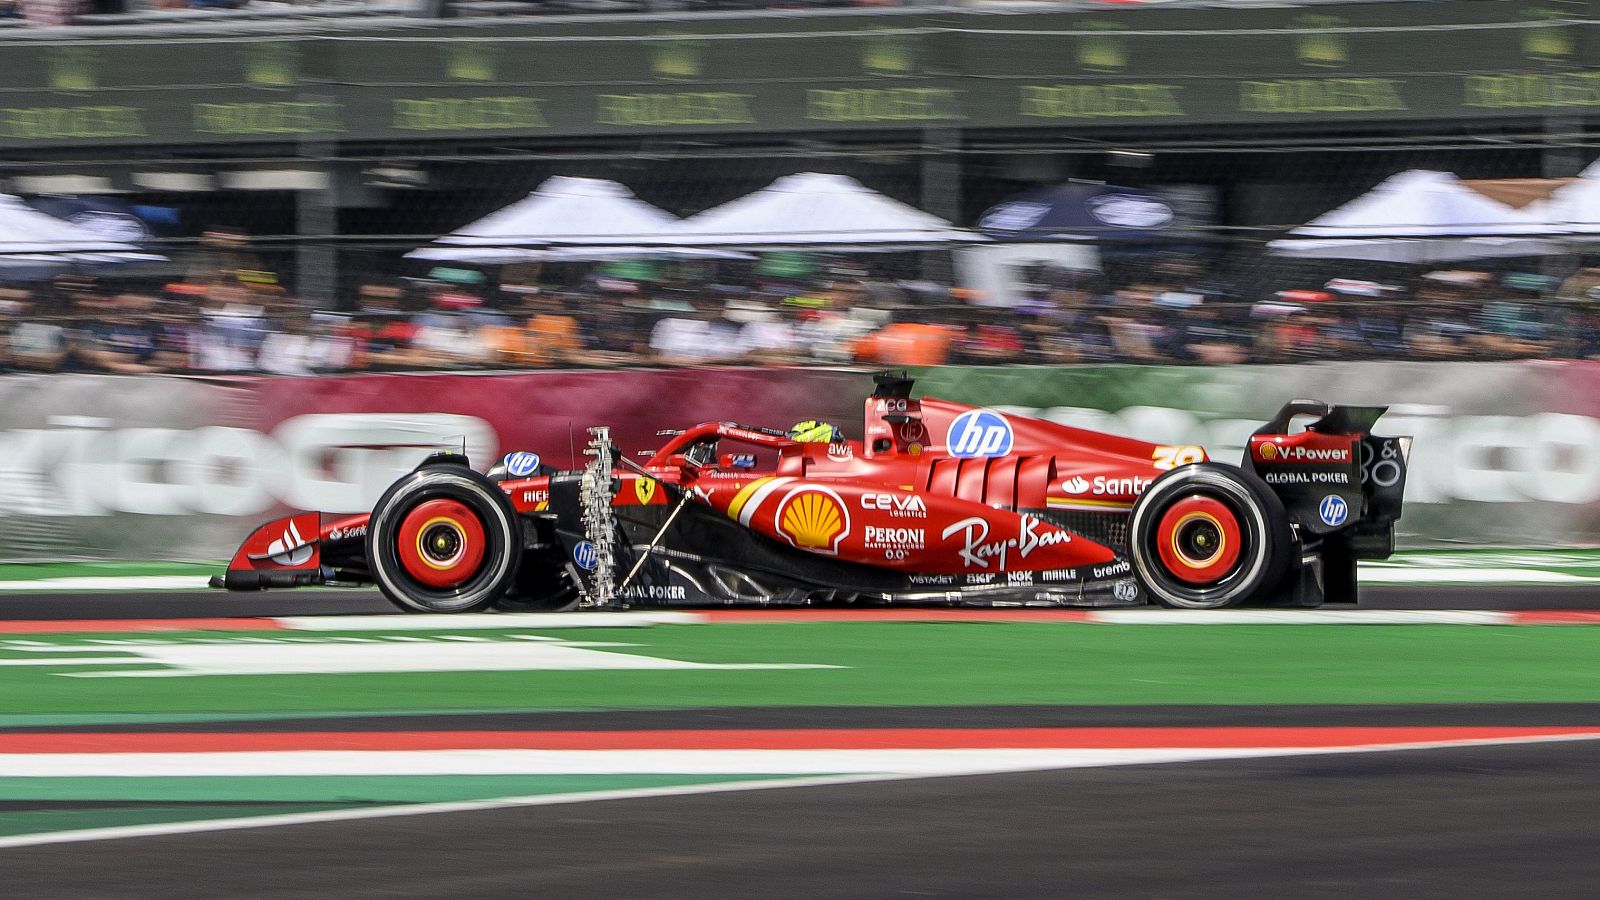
x=1335 y=477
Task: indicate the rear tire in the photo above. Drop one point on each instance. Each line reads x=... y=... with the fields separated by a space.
x=1209 y=536
x=443 y=539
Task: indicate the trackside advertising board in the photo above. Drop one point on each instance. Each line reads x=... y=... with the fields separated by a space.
x=181 y=468
x=154 y=467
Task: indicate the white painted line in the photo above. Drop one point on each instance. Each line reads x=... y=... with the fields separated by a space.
x=1154 y=616
x=487 y=621
x=418 y=809
x=108 y=583
x=422 y=809
x=1429 y=575
x=897 y=761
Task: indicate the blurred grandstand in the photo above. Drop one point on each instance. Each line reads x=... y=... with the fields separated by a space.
x=268 y=197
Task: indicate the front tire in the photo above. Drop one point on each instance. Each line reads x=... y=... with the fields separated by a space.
x=1209 y=536
x=443 y=539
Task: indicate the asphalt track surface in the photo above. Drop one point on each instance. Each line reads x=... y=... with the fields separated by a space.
x=1500 y=821
x=189 y=604
x=1510 y=821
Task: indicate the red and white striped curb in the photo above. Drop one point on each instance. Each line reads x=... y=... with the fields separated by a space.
x=491 y=622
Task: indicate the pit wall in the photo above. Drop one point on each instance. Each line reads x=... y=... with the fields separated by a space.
x=154 y=467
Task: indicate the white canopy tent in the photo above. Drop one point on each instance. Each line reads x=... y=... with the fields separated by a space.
x=565 y=219
x=1574 y=208
x=29 y=238
x=1420 y=216
x=817 y=210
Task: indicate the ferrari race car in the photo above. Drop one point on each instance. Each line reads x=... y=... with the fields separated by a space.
x=938 y=503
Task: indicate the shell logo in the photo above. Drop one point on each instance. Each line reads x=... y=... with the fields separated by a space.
x=1269 y=451
x=813 y=518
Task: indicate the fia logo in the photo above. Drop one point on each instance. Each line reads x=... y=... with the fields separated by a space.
x=978 y=433
x=1333 y=510
x=585 y=556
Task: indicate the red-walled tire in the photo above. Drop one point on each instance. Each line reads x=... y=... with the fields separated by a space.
x=443 y=539
x=1209 y=536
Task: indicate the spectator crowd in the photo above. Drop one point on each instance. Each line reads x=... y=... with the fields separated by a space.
x=1170 y=311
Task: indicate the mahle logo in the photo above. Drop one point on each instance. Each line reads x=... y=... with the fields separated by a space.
x=676 y=59
x=73 y=68
x=471 y=62
x=1549 y=41
x=272 y=64
x=1315 y=46
x=1102 y=50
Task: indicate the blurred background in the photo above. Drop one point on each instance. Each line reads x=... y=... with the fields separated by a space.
x=236 y=191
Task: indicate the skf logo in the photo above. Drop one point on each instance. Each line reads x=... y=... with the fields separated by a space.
x=979 y=433
x=645 y=490
x=813 y=518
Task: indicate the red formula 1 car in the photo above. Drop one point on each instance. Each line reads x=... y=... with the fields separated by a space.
x=939 y=503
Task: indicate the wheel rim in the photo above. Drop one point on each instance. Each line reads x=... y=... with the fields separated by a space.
x=1199 y=540
x=441 y=543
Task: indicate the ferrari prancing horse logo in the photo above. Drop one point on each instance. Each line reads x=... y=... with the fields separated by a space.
x=645 y=490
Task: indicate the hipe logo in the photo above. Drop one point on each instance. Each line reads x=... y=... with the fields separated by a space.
x=978 y=433
x=585 y=556
x=522 y=463
x=1333 y=510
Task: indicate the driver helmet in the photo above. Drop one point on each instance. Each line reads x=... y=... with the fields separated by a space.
x=813 y=432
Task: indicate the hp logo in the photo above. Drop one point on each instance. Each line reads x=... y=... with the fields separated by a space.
x=585 y=556
x=977 y=433
x=1333 y=510
x=521 y=464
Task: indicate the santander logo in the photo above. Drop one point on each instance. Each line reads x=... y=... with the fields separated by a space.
x=291 y=549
